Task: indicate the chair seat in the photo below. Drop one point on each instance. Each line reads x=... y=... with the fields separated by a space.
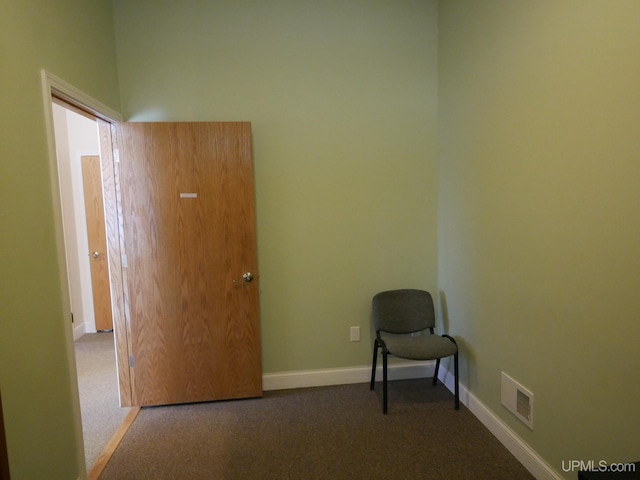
x=419 y=346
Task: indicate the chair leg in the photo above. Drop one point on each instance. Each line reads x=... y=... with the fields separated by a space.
x=455 y=374
x=384 y=381
x=373 y=363
x=435 y=372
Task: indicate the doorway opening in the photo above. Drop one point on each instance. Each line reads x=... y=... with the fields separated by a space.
x=78 y=154
x=78 y=108
x=76 y=136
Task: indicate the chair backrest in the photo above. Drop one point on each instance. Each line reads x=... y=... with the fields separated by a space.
x=403 y=311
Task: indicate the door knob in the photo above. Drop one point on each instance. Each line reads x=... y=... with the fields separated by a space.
x=246 y=277
x=95 y=254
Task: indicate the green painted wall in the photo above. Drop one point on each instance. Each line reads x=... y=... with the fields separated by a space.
x=74 y=40
x=342 y=96
x=533 y=199
x=539 y=218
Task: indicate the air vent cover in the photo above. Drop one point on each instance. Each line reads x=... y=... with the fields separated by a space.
x=517 y=399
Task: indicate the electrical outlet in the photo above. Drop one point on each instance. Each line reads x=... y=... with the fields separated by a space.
x=355 y=334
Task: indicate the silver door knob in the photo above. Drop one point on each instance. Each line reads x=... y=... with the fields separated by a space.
x=247 y=277
x=95 y=254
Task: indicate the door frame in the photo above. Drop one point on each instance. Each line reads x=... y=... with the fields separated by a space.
x=53 y=86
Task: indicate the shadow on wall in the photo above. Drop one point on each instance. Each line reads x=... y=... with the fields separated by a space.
x=467 y=356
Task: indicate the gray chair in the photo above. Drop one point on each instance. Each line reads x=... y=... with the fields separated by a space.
x=404 y=322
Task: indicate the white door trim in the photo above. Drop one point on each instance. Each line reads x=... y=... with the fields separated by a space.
x=52 y=85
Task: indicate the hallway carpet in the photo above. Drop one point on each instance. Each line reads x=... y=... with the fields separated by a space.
x=98 y=386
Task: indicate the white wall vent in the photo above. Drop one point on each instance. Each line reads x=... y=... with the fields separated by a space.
x=517 y=399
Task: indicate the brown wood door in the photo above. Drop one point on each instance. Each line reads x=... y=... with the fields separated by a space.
x=97 y=237
x=189 y=224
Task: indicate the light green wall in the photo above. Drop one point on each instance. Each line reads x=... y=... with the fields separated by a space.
x=539 y=218
x=538 y=222
x=74 y=40
x=342 y=99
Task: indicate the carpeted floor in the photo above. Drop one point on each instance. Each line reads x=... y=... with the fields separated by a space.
x=98 y=386
x=335 y=433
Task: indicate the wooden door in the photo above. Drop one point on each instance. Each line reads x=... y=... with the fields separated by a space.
x=97 y=237
x=189 y=224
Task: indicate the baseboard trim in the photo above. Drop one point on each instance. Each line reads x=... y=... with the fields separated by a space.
x=535 y=464
x=343 y=376
x=528 y=457
x=79 y=330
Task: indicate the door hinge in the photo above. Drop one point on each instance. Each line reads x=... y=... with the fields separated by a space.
x=116 y=155
x=124 y=261
x=132 y=361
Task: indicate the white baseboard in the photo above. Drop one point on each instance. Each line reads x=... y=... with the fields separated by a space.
x=79 y=330
x=342 y=376
x=535 y=464
x=82 y=329
x=528 y=457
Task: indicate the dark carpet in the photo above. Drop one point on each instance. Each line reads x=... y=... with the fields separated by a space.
x=335 y=432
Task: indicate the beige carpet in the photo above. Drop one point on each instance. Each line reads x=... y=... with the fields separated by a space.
x=98 y=385
x=317 y=433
